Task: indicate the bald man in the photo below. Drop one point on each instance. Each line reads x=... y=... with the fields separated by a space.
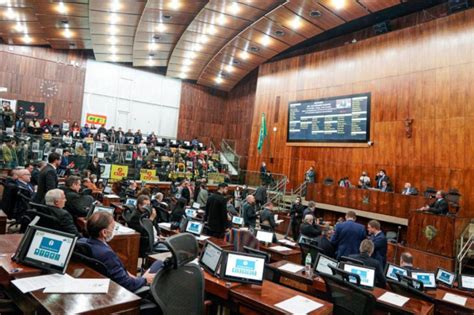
x=308 y=228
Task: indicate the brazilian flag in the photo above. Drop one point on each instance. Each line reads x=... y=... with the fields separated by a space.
x=262 y=134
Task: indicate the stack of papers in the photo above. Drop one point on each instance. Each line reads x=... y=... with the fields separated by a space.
x=393 y=298
x=291 y=268
x=165 y=225
x=280 y=248
x=202 y=237
x=299 y=305
x=456 y=299
x=121 y=229
x=57 y=283
x=112 y=196
x=287 y=242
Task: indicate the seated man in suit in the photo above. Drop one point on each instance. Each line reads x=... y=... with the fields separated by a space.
x=55 y=200
x=143 y=209
x=409 y=190
x=406 y=261
x=249 y=211
x=101 y=230
x=324 y=243
x=366 y=250
x=77 y=204
x=440 y=206
x=23 y=183
x=379 y=240
x=308 y=228
x=348 y=236
x=267 y=217
x=385 y=187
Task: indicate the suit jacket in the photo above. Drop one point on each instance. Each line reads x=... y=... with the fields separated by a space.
x=66 y=221
x=310 y=230
x=412 y=191
x=117 y=271
x=261 y=194
x=47 y=180
x=249 y=214
x=440 y=206
x=267 y=215
x=380 y=179
x=296 y=213
x=386 y=189
x=326 y=246
x=216 y=213
x=347 y=238
x=380 y=248
x=380 y=280
x=76 y=203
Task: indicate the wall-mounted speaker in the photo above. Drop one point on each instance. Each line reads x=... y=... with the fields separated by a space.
x=382 y=27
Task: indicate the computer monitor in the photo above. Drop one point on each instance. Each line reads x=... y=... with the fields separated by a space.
x=97 y=208
x=194 y=227
x=445 y=277
x=366 y=274
x=46 y=249
x=196 y=205
x=466 y=282
x=210 y=257
x=238 y=220
x=427 y=278
x=108 y=190
x=190 y=213
x=244 y=268
x=264 y=236
x=391 y=271
x=257 y=252
x=131 y=202
x=322 y=264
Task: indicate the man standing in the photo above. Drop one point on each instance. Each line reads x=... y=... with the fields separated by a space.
x=267 y=217
x=55 y=200
x=249 y=212
x=348 y=236
x=381 y=176
x=310 y=175
x=380 y=241
x=296 y=214
x=261 y=195
x=440 y=206
x=48 y=178
x=216 y=212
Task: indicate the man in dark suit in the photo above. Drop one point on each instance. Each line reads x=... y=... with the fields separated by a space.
x=308 y=228
x=440 y=206
x=381 y=176
x=409 y=190
x=261 y=195
x=380 y=241
x=296 y=214
x=366 y=250
x=324 y=243
x=216 y=212
x=385 y=187
x=77 y=204
x=48 y=177
x=101 y=229
x=348 y=236
x=406 y=261
x=55 y=200
x=36 y=171
x=267 y=217
x=249 y=212
x=24 y=183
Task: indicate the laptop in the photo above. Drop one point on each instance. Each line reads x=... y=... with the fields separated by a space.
x=238 y=220
x=322 y=263
x=210 y=257
x=466 y=282
x=46 y=249
x=242 y=267
x=131 y=202
x=445 y=277
x=427 y=278
x=264 y=236
x=194 y=227
x=392 y=270
x=366 y=274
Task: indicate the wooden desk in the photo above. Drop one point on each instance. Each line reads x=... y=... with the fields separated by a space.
x=107 y=200
x=3 y=222
x=445 y=307
x=222 y=243
x=421 y=259
x=318 y=287
x=262 y=299
x=117 y=300
x=293 y=255
x=218 y=287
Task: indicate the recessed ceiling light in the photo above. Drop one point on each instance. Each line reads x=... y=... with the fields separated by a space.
x=156 y=37
x=295 y=23
x=315 y=13
x=114 y=58
x=218 y=80
x=19 y=27
x=202 y=39
x=61 y=8
x=67 y=33
x=339 y=4
x=197 y=47
x=27 y=39
x=161 y=28
x=115 y=5
x=279 y=33
x=254 y=49
x=234 y=8
x=221 y=20
x=185 y=69
x=236 y=62
x=167 y=17
x=113 y=50
x=187 y=62
x=151 y=55
x=72 y=45
x=65 y=23
x=114 y=18
x=244 y=55
x=150 y=62
x=10 y=14
x=174 y=4
x=113 y=40
x=265 y=40
x=152 y=46
x=229 y=68
x=183 y=75
x=211 y=30
x=191 y=55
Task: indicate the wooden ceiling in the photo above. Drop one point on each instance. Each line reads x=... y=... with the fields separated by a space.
x=214 y=42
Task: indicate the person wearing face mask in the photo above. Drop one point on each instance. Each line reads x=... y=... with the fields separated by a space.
x=101 y=229
x=143 y=209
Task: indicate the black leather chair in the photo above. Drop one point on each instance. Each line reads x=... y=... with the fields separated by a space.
x=351 y=260
x=311 y=249
x=127 y=213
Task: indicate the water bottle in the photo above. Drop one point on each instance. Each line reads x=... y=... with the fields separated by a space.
x=307 y=265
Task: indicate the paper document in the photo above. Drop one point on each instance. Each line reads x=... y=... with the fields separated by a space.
x=279 y=221
x=30 y=284
x=299 y=305
x=280 y=248
x=111 y=196
x=291 y=268
x=287 y=242
x=393 y=298
x=121 y=229
x=202 y=237
x=165 y=225
x=80 y=286
x=456 y=299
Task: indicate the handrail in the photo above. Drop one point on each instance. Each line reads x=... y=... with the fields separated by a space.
x=464 y=247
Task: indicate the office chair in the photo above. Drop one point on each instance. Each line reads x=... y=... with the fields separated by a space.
x=347 y=298
x=311 y=249
x=453 y=197
x=46 y=219
x=429 y=192
x=351 y=260
x=178 y=287
x=147 y=245
x=127 y=213
x=241 y=238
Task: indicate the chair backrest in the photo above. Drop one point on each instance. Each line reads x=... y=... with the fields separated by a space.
x=9 y=199
x=147 y=225
x=311 y=249
x=345 y=275
x=83 y=253
x=183 y=247
x=348 y=298
x=183 y=224
x=352 y=260
x=240 y=238
x=46 y=219
x=127 y=213
x=408 y=291
x=413 y=283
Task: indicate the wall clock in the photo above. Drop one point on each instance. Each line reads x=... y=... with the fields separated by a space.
x=48 y=88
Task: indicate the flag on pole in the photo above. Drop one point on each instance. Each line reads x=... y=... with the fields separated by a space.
x=262 y=134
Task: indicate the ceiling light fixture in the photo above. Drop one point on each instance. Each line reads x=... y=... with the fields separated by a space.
x=27 y=39
x=113 y=40
x=244 y=55
x=296 y=23
x=221 y=20
x=161 y=28
x=114 y=58
x=19 y=27
x=203 y=39
x=113 y=50
x=183 y=75
x=218 y=79
x=229 y=68
x=67 y=33
x=187 y=62
x=185 y=69
x=265 y=40
x=211 y=30
x=234 y=8
x=10 y=14
x=315 y=13
x=115 y=5
x=152 y=46
x=114 y=18
x=338 y=4
x=191 y=55
x=113 y=30
x=61 y=8
x=197 y=47
x=174 y=4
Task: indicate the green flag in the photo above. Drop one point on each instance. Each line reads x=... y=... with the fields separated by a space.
x=262 y=134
